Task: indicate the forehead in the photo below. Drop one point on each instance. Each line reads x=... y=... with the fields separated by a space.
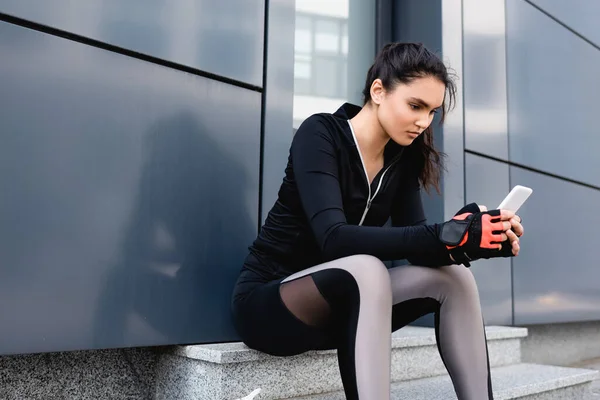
x=429 y=89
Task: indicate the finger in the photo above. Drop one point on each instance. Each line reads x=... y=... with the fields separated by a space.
x=503 y=237
x=506 y=225
x=506 y=215
x=512 y=236
x=482 y=208
x=514 y=241
x=517 y=227
x=515 y=248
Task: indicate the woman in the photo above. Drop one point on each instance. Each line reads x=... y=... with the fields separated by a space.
x=314 y=278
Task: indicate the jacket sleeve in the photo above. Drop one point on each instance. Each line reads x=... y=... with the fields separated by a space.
x=315 y=167
x=407 y=210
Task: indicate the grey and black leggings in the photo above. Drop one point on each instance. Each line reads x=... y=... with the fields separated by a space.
x=351 y=304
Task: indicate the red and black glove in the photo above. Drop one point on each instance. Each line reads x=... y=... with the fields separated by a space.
x=473 y=234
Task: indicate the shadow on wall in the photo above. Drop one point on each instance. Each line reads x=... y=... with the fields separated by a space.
x=184 y=245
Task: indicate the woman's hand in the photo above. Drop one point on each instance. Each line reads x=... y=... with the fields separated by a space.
x=473 y=234
x=513 y=231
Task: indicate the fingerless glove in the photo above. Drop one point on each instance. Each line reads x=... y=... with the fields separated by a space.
x=473 y=234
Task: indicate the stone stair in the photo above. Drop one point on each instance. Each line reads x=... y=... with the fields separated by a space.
x=231 y=371
x=520 y=381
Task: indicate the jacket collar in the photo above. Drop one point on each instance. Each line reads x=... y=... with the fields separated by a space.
x=348 y=111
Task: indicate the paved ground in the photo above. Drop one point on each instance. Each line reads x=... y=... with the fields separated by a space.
x=592 y=364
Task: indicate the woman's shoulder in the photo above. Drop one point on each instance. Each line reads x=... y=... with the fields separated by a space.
x=325 y=126
x=324 y=121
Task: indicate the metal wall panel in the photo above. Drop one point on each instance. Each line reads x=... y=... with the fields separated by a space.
x=487 y=183
x=580 y=15
x=556 y=274
x=129 y=194
x=361 y=28
x=485 y=77
x=417 y=21
x=553 y=83
x=453 y=134
x=279 y=99
x=224 y=37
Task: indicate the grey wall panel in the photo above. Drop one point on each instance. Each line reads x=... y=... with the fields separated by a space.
x=553 y=83
x=279 y=99
x=224 y=37
x=417 y=21
x=556 y=274
x=487 y=183
x=361 y=28
x=580 y=15
x=129 y=194
x=453 y=135
x=485 y=77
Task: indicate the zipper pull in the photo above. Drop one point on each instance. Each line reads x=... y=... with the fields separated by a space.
x=369 y=203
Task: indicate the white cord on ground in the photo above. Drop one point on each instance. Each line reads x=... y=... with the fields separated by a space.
x=251 y=395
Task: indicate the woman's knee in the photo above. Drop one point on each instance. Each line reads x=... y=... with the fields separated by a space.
x=371 y=275
x=369 y=267
x=461 y=280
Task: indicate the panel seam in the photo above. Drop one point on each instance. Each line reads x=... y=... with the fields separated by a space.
x=532 y=169
x=263 y=115
x=124 y=51
x=506 y=87
x=567 y=27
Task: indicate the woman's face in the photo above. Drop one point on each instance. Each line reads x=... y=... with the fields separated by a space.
x=406 y=111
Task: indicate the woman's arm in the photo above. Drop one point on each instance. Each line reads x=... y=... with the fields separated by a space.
x=315 y=166
x=407 y=210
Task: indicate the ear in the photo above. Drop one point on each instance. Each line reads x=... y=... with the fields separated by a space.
x=377 y=91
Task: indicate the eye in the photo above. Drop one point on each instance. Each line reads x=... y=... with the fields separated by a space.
x=435 y=111
x=414 y=106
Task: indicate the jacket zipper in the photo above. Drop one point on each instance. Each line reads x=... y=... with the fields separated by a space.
x=369 y=198
x=374 y=194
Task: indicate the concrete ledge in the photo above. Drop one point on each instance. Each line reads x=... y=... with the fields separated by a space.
x=225 y=353
x=230 y=371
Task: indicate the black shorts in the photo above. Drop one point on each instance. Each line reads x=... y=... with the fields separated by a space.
x=265 y=323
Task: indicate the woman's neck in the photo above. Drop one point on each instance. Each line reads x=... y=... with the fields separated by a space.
x=370 y=135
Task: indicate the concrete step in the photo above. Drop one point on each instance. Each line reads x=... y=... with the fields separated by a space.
x=226 y=371
x=520 y=381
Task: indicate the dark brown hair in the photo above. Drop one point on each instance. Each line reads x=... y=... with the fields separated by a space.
x=402 y=63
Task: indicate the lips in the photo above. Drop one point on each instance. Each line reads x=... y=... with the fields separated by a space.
x=414 y=134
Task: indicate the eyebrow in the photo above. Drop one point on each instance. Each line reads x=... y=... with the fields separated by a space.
x=421 y=102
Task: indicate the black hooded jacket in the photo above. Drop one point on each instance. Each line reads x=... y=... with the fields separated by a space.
x=326 y=210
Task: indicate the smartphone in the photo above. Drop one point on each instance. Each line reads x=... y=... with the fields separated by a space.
x=515 y=199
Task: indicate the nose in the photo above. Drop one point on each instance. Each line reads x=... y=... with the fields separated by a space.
x=423 y=122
